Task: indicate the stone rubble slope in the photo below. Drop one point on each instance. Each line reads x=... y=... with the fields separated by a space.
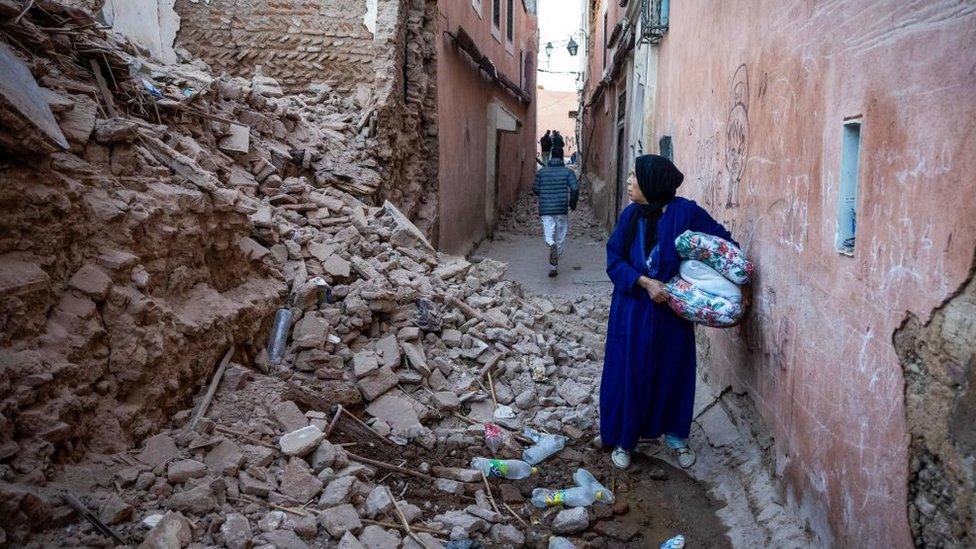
x=163 y=236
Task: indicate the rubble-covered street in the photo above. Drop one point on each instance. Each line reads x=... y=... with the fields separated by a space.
x=151 y=260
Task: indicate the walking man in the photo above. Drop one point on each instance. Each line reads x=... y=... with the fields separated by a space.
x=546 y=143
x=557 y=141
x=558 y=192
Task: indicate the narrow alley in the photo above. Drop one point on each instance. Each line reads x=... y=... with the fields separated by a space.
x=274 y=275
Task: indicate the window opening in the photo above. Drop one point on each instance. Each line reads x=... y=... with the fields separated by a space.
x=850 y=154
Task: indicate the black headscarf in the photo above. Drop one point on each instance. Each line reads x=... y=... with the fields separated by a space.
x=658 y=179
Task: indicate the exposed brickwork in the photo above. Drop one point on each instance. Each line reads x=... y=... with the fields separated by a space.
x=295 y=41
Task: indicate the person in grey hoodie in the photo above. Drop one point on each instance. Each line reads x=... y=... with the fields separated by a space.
x=558 y=192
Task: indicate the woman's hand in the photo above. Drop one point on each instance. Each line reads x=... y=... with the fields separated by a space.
x=655 y=289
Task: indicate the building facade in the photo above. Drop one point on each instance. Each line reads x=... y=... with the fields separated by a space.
x=835 y=141
x=556 y=110
x=486 y=59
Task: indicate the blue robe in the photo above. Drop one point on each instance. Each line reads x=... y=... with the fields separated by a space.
x=648 y=386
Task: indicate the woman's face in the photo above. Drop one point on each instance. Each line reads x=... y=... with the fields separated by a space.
x=633 y=189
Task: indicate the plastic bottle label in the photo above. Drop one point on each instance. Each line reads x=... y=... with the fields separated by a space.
x=497 y=468
x=557 y=497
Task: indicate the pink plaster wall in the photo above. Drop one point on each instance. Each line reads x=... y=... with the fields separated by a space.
x=816 y=355
x=599 y=133
x=463 y=98
x=552 y=113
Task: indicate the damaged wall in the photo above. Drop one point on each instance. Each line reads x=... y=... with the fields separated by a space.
x=297 y=42
x=939 y=363
x=757 y=126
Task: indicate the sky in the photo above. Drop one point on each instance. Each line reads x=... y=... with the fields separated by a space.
x=558 y=19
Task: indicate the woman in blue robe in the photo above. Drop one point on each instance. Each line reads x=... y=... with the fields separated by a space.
x=648 y=384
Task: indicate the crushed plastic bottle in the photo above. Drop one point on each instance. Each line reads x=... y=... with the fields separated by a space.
x=576 y=496
x=545 y=446
x=556 y=542
x=513 y=469
x=677 y=542
x=585 y=479
x=323 y=292
x=279 y=335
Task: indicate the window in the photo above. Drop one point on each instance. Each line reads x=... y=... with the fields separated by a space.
x=510 y=22
x=521 y=69
x=605 y=37
x=476 y=4
x=496 y=13
x=667 y=147
x=850 y=153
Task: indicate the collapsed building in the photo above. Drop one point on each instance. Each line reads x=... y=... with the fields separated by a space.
x=159 y=220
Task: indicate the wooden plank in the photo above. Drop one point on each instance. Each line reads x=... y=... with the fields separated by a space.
x=205 y=403
x=113 y=111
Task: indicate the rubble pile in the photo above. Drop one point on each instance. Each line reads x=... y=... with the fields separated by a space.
x=154 y=218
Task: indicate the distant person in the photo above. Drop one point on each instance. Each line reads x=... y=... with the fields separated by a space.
x=558 y=142
x=558 y=192
x=546 y=143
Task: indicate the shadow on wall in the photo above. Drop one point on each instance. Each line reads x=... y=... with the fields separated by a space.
x=938 y=360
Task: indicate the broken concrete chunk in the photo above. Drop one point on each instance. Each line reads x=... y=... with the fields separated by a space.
x=225 y=458
x=236 y=531
x=158 y=450
x=257 y=456
x=378 y=502
x=198 y=501
x=185 y=469
x=238 y=141
x=116 y=130
x=301 y=441
x=388 y=348
x=415 y=356
x=324 y=455
x=451 y=337
x=447 y=401
x=114 y=510
x=449 y=486
x=458 y=474
x=468 y=523
x=310 y=331
x=340 y=519
x=252 y=486
x=395 y=410
x=290 y=417
x=571 y=521
x=172 y=532
x=349 y=541
x=79 y=123
x=337 y=492
x=377 y=383
x=337 y=266
x=506 y=535
x=377 y=537
x=298 y=483
x=364 y=363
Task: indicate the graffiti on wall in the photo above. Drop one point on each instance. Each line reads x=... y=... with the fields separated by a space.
x=737 y=134
x=707 y=171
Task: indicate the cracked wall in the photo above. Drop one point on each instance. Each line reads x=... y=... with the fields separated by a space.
x=757 y=128
x=939 y=363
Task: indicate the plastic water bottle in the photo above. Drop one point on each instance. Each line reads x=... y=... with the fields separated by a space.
x=585 y=479
x=545 y=446
x=557 y=542
x=279 y=335
x=513 y=469
x=677 y=542
x=569 y=497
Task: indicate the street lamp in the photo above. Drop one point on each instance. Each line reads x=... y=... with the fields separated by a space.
x=573 y=47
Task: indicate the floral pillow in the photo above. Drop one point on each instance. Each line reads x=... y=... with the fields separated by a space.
x=691 y=303
x=717 y=253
